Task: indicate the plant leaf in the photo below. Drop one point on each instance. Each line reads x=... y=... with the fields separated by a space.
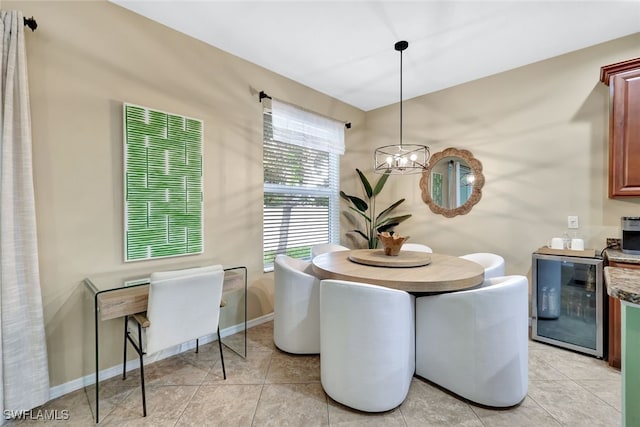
x=362 y=214
x=373 y=242
x=386 y=227
x=389 y=209
x=364 y=236
x=357 y=201
x=396 y=219
x=381 y=181
x=365 y=184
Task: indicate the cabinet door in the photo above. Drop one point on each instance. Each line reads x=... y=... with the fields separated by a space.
x=624 y=135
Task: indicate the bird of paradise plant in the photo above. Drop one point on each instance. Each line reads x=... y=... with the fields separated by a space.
x=366 y=209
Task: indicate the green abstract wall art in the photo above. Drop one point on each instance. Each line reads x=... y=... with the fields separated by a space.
x=163 y=199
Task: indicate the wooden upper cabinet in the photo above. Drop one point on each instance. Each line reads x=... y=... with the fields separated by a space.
x=623 y=79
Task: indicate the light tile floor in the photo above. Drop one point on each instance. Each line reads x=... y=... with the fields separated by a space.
x=272 y=388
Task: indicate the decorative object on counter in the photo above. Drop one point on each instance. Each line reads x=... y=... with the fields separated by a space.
x=577 y=244
x=452 y=183
x=373 y=223
x=557 y=243
x=400 y=159
x=392 y=243
x=613 y=243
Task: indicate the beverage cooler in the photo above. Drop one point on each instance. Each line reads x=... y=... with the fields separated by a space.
x=568 y=302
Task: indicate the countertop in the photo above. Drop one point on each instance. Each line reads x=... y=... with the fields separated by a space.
x=616 y=255
x=623 y=283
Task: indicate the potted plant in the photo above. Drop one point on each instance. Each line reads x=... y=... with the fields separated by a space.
x=366 y=209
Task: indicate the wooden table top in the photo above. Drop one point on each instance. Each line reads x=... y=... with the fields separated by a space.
x=445 y=273
x=123 y=293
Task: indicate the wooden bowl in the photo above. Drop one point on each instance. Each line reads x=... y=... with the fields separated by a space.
x=392 y=243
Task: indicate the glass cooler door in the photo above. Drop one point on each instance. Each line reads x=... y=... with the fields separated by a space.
x=568 y=302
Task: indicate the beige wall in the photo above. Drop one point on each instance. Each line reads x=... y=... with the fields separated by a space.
x=541 y=134
x=86 y=59
x=540 y=131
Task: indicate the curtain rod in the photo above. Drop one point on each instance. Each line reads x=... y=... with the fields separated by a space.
x=31 y=23
x=263 y=95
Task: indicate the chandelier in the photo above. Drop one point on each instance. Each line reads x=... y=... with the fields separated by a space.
x=401 y=159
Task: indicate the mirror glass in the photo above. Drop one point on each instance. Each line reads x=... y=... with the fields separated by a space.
x=452 y=183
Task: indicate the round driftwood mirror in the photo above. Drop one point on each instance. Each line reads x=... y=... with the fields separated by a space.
x=452 y=183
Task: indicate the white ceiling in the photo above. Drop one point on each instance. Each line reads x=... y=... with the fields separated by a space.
x=345 y=49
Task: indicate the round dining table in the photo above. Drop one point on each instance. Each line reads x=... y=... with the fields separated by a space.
x=441 y=273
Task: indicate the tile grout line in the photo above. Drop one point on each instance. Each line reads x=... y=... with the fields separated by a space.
x=264 y=381
x=595 y=395
x=187 y=405
x=544 y=408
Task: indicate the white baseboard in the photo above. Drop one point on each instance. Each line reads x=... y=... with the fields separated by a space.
x=87 y=380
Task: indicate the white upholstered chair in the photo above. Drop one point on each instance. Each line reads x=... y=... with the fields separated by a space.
x=183 y=305
x=493 y=263
x=326 y=247
x=296 y=319
x=417 y=247
x=367 y=344
x=475 y=342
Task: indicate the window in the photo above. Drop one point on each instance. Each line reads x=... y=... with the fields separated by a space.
x=301 y=179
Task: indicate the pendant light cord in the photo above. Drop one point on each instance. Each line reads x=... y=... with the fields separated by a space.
x=400 y=47
x=401 y=98
x=395 y=158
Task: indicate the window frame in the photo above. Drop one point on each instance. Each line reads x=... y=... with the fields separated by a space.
x=331 y=191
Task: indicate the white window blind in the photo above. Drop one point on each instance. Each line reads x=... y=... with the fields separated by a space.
x=301 y=179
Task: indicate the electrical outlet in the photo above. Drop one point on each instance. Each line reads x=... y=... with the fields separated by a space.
x=572 y=221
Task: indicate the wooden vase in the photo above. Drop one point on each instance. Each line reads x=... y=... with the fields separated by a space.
x=392 y=243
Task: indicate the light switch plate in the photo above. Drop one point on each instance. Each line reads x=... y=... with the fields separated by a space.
x=572 y=221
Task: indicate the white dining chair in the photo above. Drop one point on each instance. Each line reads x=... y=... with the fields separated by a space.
x=474 y=343
x=417 y=247
x=493 y=263
x=367 y=344
x=183 y=305
x=296 y=308
x=326 y=247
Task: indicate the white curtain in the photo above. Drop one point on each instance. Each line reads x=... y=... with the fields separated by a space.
x=24 y=374
x=295 y=125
